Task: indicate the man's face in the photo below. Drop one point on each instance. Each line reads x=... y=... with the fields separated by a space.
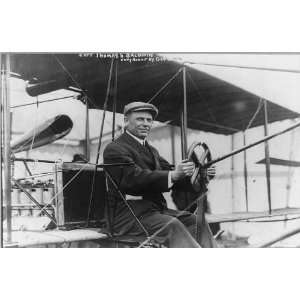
x=139 y=123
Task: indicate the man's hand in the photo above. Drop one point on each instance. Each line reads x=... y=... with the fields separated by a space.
x=209 y=172
x=184 y=169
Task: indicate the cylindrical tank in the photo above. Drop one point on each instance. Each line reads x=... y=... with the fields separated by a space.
x=48 y=192
x=15 y=196
x=25 y=202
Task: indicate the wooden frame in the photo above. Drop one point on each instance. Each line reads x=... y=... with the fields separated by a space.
x=60 y=186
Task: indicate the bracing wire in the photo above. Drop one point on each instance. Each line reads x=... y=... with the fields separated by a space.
x=41 y=102
x=260 y=103
x=147 y=240
x=203 y=98
x=100 y=137
x=75 y=81
x=85 y=165
x=245 y=67
x=165 y=85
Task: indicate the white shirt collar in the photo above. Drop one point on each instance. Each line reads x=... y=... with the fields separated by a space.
x=142 y=142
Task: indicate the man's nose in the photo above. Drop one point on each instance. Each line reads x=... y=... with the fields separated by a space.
x=146 y=123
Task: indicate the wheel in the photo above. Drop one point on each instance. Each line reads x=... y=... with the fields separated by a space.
x=200 y=154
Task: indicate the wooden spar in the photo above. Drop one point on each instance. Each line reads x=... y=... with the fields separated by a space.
x=46 y=161
x=232 y=170
x=183 y=118
x=266 y=138
x=232 y=183
x=267 y=156
x=245 y=173
x=6 y=146
x=172 y=129
x=290 y=171
x=183 y=127
x=87 y=131
x=72 y=163
x=100 y=138
x=115 y=102
x=1 y=123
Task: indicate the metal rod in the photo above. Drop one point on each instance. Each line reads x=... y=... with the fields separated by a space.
x=266 y=138
x=87 y=131
x=245 y=173
x=36 y=175
x=7 y=151
x=33 y=200
x=27 y=168
x=267 y=155
x=280 y=238
x=55 y=161
x=184 y=118
x=1 y=152
x=126 y=202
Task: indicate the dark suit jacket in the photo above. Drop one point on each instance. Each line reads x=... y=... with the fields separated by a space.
x=147 y=178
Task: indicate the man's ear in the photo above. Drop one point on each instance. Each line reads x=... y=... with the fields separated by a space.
x=125 y=121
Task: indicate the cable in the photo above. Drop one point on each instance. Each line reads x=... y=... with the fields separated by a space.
x=73 y=79
x=41 y=102
x=260 y=103
x=172 y=220
x=165 y=85
x=100 y=138
x=245 y=67
x=201 y=97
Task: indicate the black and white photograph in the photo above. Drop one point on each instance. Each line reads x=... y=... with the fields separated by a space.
x=134 y=131
x=150 y=150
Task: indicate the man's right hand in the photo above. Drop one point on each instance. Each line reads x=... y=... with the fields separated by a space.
x=184 y=169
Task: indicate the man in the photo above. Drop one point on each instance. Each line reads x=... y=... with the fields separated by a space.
x=143 y=183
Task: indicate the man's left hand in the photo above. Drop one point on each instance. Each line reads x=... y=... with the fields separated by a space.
x=211 y=172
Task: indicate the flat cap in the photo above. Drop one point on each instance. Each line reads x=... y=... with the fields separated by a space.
x=140 y=106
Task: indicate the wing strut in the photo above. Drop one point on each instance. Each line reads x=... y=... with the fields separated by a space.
x=267 y=155
x=246 y=173
x=1 y=194
x=87 y=131
x=183 y=118
x=115 y=101
x=100 y=139
x=5 y=101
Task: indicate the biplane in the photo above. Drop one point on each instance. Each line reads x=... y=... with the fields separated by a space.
x=187 y=98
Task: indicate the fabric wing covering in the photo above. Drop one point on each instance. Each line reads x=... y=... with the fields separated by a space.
x=213 y=105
